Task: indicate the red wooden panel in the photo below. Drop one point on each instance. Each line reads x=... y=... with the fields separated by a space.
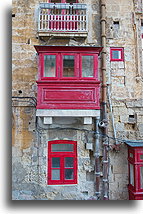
x=68 y=96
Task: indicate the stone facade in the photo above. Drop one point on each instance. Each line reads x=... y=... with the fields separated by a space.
x=124 y=100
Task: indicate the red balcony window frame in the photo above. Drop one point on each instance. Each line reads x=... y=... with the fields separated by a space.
x=68 y=92
x=59 y=64
x=121 y=50
x=41 y=65
x=76 y=63
x=62 y=155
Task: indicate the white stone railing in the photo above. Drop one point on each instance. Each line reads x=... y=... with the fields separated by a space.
x=62 y=17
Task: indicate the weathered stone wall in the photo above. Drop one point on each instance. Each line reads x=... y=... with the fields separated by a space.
x=124 y=88
x=30 y=142
x=124 y=79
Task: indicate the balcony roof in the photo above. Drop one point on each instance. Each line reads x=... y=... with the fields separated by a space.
x=47 y=48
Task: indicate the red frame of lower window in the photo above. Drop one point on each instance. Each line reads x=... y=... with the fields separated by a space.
x=117 y=49
x=62 y=155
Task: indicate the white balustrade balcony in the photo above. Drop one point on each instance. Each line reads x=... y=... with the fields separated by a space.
x=63 y=19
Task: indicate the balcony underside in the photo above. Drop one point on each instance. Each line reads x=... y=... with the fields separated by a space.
x=62 y=33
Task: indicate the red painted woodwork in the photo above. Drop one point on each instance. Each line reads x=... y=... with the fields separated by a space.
x=120 y=50
x=73 y=92
x=60 y=23
x=134 y=158
x=62 y=155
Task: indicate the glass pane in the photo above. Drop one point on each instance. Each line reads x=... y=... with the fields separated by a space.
x=62 y=147
x=68 y=66
x=131 y=155
x=141 y=174
x=69 y=174
x=69 y=162
x=55 y=174
x=55 y=162
x=131 y=174
x=49 y=66
x=141 y=157
x=87 y=66
x=71 y=1
x=116 y=54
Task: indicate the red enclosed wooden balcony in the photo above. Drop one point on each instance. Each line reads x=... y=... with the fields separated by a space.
x=135 y=170
x=62 y=18
x=68 y=77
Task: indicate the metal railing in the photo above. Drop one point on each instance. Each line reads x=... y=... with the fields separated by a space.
x=62 y=17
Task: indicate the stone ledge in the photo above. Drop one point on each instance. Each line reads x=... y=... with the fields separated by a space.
x=67 y=113
x=61 y=34
x=48 y=114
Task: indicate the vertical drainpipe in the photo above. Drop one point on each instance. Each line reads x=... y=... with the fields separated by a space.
x=103 y=102
x=97 y=160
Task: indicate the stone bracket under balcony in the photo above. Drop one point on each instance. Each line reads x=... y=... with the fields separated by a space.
x=62 y=19
x=48 y=114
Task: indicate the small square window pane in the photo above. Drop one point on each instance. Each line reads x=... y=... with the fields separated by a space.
x=131 y=155
x=87 y=66
x=69 y=174
x=141 y=177
x=55 y=162
x=68 y=66
x=49 y=66
x=55 y=174
x=116 y=54
x=131 y=174
x=62 y=147
x=141 y=157
x=69 y=162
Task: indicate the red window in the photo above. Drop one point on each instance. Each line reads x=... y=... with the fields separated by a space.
x=68 y=65
x=116 y=54
x=62 y=162
x=68 y=77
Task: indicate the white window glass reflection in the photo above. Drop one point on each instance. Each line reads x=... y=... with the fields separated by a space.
x=62 y=147
x=131 y=174
x=49 y=66
x=87 y=66
x=116 y=55
x=55 y=174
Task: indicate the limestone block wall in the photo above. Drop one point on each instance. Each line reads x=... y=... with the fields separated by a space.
x=30 y=136
x=124 y=88
x=124 y=79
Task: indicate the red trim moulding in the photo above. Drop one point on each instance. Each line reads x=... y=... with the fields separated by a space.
x=62 y=156
x=117 y=49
